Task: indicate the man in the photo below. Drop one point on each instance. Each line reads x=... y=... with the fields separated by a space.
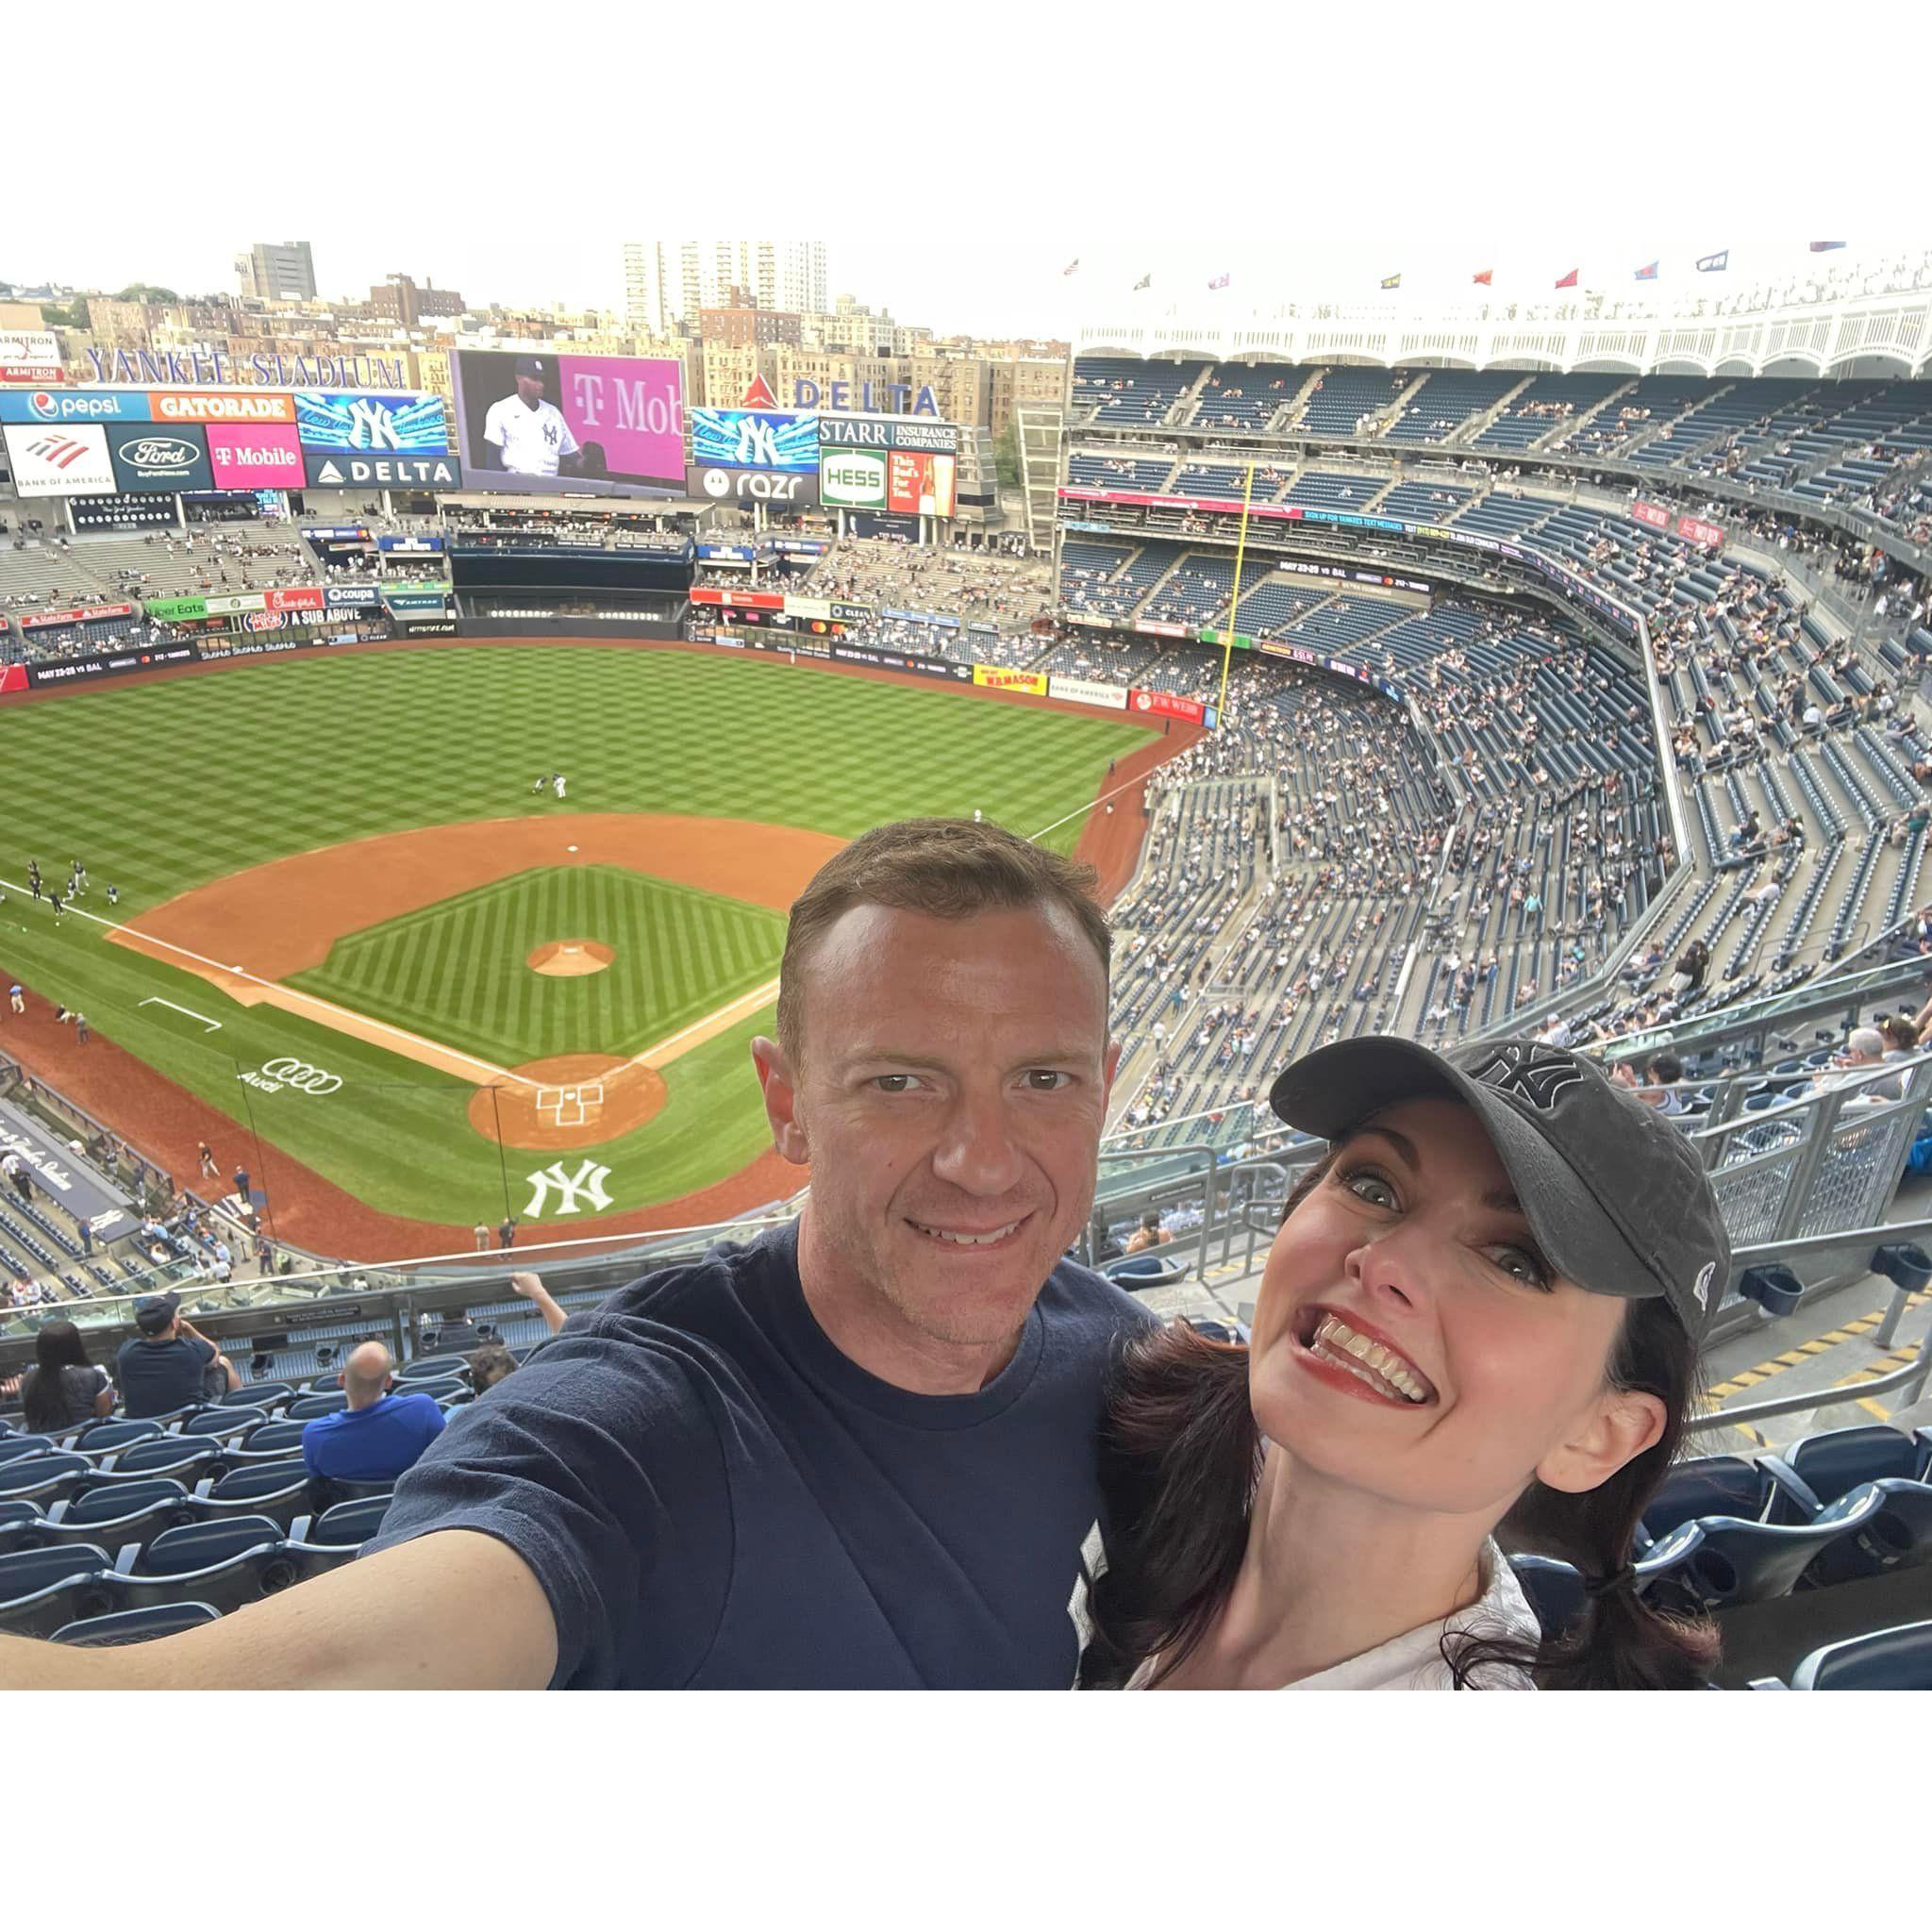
x=525 y=434
x=379 y=1434
x=1865 y=1048
x=507 y=1232
x=456 y=1332
x=170 y=1364
x=481 y=1231
x=858 y=1451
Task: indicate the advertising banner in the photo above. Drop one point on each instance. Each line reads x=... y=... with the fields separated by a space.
x=73 y=405
x=726 y=552
x=70 y=669
x=152 y=458
x=177 y=610
x=429 y=627
x=235 y=602
x=739 y=600
x=353 y=596
x=345 y=469
x=754 y=440
x=341 y=533
x=588 y=425
x=1694 y=531
x=997 y=677
x=221 y=405
x=88 y=613
x=1164 y=704
x=264 y=620
x=356 y=420
x=785 y=487
x=255 y=456
x=948 y=668
x=1654 y=514
x=303 y=598
x=812 y=610
x=1158 y=628
x=70 y=461
x=853 y=480
x=409 y=547
x=920 y=485
x=1083 y=690
x=30 y=355
x=889 y=432
x=851 y=613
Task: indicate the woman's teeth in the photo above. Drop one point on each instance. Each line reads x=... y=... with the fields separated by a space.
x=1381 y=1367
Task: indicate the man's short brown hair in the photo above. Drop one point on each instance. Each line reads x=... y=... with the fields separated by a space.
x=946 y=868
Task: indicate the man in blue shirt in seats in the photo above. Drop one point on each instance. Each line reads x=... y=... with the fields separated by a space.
x=169 y=1364
x=859 y=1451
x=378 y=1435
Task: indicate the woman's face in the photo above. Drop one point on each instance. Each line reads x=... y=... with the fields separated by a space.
x=1412 y=1341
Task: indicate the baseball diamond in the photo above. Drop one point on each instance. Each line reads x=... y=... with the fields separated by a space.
x=339 y=866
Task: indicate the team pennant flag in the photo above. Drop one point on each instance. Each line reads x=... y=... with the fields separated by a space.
x=1147 y=281
x=1391 y=281
x=1714 y=264
x=1568 y=281
x=1824 y=248
x=1071 y=266
x=1486 y=277
x=1647 y=272
x=1219 y=282
x=759 y=395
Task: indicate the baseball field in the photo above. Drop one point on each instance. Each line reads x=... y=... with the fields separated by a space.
x=361 y=954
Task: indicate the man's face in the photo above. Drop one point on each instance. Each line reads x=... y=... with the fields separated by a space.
x=951 y=1098
x=531 y=388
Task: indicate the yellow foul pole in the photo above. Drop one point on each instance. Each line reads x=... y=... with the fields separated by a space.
x=1234 y=609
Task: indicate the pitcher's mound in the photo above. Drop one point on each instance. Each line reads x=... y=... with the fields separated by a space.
x=576 y=1100
x=569 y=959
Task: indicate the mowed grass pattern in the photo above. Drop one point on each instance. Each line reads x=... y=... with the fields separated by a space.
x=457 y=971
x=163 y=786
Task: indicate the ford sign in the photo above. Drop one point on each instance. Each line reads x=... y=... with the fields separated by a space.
x=157 y=453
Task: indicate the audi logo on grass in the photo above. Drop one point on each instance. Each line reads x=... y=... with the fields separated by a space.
x=298 y=1075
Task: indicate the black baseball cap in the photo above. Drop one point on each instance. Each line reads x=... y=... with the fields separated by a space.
x=153 y=1315
x=1615 y=1195
x=533 y=365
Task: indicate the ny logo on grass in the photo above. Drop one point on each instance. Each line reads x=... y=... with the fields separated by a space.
x=574 y=1190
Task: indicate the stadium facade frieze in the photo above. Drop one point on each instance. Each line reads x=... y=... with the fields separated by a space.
x=217 y=368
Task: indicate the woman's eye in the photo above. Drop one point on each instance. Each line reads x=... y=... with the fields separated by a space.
x=1369 y=1187
x=1525 y=1264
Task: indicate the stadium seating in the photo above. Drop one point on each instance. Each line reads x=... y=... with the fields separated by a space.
x=1895 y=1660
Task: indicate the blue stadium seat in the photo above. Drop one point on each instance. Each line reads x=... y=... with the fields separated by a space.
x=223 y=1421
x=1717 y=1561
x=101 y=1435
x=282 y=1489
x=309 y=1407
x=1826 y=1465
x=238 y=1560
x=1720 y=1485
x=189 y=1457
x=113 y=1514
x=1895 y=1660
x=1139 y=1272
x=431 y=1366
x=322 y=1385
x=42 y=1589
x=13 y=1447
x=45 y=1480
x=343 y=1525
x=21 y=1526
x=137 y=1626
x=1893 y=1519
x=1553 y=1588
x=438 y=1388
x=271 y=1442
x=259 y=1396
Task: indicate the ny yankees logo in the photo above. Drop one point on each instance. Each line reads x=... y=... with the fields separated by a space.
x=1533 y=1073
x=573 y=1190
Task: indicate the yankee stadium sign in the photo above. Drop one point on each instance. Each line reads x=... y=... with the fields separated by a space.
x=219 y=370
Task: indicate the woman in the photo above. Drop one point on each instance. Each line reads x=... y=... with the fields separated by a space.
x=1691 y=968
x=63 y=1389
x=1479 y=1316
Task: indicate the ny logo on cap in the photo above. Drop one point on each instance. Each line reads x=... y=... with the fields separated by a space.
x=1701 y=1287
x=1535 y=1074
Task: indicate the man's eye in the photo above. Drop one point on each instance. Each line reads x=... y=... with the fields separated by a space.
x=1045 y=1080
x=895 y=1083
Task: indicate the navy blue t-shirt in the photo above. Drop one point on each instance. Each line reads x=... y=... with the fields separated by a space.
x=714 y=1496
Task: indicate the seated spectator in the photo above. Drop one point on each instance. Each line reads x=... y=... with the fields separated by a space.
x=458 y=1334
x=63 y=1389
x=170 y=1364
x=1663 y=1091
x=489 y=1364
x=378 y=1435
x=1865 y=1048
x=1901 y=1037
x=1150 y=1234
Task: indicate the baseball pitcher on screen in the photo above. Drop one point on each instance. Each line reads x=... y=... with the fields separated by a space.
x=525 y=434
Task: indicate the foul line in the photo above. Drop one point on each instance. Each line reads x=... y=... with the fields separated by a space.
x=156 y=1000
x=283 y=995
x=714 y=1022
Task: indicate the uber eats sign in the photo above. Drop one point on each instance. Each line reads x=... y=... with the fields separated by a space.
x=853 y=479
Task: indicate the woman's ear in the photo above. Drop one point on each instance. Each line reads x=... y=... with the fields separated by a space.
x=1621 y=1426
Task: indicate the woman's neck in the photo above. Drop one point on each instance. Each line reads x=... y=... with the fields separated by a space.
x=1330 y=1572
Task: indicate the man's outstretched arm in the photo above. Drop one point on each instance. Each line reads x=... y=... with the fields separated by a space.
x=453 y=1611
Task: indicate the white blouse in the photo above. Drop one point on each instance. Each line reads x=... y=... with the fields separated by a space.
x=1414 y=1662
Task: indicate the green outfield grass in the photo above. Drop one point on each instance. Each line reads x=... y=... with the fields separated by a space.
x=162 y=787
x=457 y=971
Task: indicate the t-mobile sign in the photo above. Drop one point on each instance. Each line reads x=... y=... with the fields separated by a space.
x=634 y=407
x=255 y=456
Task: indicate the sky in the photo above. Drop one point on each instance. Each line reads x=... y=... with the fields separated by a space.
x=956 y=162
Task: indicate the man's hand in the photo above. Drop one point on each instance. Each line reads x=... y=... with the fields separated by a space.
x=532 y=1289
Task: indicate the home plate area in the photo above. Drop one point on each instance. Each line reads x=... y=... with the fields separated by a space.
x=574 y=1100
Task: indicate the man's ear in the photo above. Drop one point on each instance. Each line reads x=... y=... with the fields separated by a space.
x=1110 y=1066
x=780 y=1089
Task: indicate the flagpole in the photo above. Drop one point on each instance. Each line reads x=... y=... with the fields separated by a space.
x=1234 y=609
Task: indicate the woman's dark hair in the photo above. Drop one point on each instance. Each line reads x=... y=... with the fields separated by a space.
x=43 y=1389
x=1181 y=1457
